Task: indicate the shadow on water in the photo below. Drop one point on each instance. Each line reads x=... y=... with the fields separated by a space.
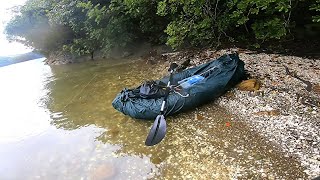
x=204 y=143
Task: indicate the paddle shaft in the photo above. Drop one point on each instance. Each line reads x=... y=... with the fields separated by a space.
x=166 y=94
x=158 y=129
x=165 y=98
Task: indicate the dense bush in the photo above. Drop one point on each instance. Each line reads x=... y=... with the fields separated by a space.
x=202 y=22
x=81 y=27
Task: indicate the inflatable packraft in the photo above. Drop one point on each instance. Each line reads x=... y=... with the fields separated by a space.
x=189 y=89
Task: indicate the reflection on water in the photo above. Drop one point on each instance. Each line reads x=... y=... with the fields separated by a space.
x=23 y=95
x=58 y=123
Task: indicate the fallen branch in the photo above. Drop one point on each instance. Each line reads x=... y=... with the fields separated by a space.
x=308 y=83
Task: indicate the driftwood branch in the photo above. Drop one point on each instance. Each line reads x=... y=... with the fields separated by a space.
x=308 y=83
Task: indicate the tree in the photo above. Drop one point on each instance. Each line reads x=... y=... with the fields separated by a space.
x=82 y=27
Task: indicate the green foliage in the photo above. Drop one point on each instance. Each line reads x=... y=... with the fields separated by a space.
x=82 y=27
x=268 y=19
x=316 y=7
x=205 y=22
x=270 y=28
x=73 y=14
x=197 y=32
x=111 y=27
x=32 y=28
x=189 y=24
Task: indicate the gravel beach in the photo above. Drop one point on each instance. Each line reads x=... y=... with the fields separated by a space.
x=284 y=104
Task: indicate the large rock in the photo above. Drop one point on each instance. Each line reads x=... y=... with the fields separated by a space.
x=249 y=85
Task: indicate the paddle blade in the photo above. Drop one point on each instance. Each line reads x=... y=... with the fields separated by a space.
x=157 y=131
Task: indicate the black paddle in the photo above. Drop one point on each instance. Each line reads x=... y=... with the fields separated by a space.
x=159 y=127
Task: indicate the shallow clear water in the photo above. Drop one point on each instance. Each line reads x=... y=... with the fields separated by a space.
x=58 y=123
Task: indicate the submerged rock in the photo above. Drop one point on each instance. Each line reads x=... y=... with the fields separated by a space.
x=102 y=172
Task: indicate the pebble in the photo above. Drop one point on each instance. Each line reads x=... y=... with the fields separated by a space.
x=298 y=116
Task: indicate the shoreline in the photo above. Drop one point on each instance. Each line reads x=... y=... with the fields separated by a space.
x=284 y=109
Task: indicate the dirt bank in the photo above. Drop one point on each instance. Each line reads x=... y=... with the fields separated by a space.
x=137 y=51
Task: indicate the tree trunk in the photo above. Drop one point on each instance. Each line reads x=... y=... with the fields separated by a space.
x=92 y=55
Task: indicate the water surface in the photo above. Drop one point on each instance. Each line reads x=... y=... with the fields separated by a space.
x=58 y=123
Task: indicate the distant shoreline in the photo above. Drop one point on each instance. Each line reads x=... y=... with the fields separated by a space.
x=9 y=60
